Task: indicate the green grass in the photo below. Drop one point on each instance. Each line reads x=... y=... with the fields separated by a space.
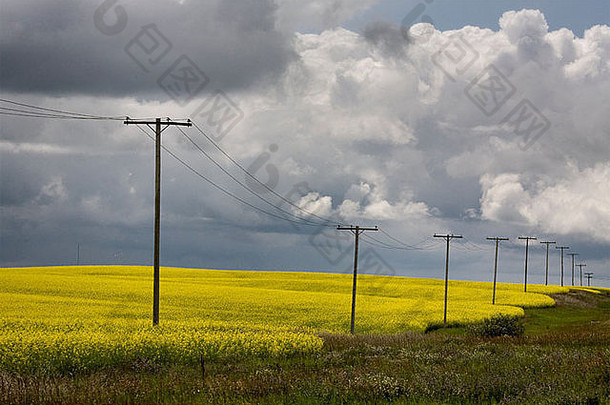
x=572 y=310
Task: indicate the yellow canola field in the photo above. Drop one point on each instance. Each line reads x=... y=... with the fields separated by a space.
x=80 y=318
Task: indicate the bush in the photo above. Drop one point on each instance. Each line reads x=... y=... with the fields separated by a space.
x=498 y=325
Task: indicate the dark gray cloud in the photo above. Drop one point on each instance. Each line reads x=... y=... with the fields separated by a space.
x=56 y=47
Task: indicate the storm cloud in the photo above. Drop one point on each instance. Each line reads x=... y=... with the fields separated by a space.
x=75 y=47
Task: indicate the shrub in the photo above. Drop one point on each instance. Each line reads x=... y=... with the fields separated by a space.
x=498 y=325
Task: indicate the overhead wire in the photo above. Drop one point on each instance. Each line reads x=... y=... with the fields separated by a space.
x=417 y=246
x=404 y=246
x=377 y=243
x=465 y=244
x=250 y=175
x=230 y=194
x=44 y=112
x=208 y=156
x=22 y=113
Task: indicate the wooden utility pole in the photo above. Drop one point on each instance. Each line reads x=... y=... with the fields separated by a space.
x=356 y=230
x=160 y=126
x=580 y=266
x=497 y=239
x=527 y=244
x=588 y=276
x=562 y=249
x=546 y=265
x=447 y=237
x=572 y=254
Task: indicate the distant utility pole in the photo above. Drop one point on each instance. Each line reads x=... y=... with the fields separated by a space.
x=572 y=254
x=356 y=230
x=497 y=239
x=527 y=245
x=562 y=249
x=78 y=254
x=581 y=265
x=159 y=128
x=546 y=266
x=447 y=237
x=589 y=276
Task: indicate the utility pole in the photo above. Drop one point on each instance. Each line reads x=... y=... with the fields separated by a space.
x=581 y=265
x=159 y=128
x=527 y=245
x=562 y=249
x=588 y=276
x=356 y=230
x=546 y=266
x=447 y=237
x=497 y=239
x=78 y=254
x=572 y=254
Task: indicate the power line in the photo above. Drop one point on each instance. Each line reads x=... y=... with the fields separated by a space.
x=406 y=245
x=472 y=246
x=43 y=112
x=381 y=244
x=257 y=195
x=250 y=175
x=47 y=116
x=221 y=189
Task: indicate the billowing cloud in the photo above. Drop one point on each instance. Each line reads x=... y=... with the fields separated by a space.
x=576 y=204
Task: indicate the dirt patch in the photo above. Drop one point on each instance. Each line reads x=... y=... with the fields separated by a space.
x=577 y=298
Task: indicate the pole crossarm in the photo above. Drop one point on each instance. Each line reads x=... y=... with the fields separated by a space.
x=356 y=228
x=356 y=231
x=449 y=236
x=167 y=122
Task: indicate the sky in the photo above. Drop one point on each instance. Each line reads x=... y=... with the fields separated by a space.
x=474 y=118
